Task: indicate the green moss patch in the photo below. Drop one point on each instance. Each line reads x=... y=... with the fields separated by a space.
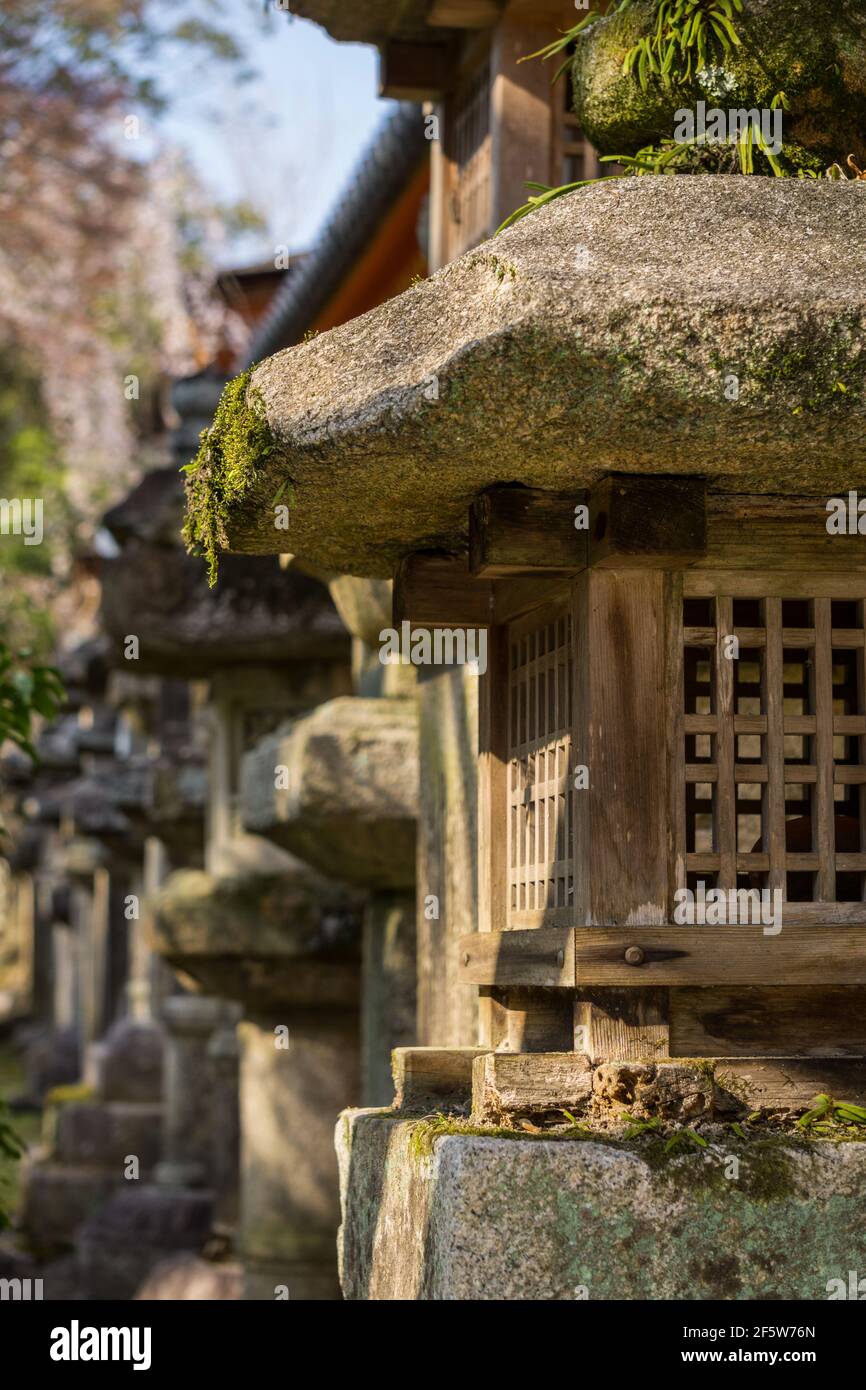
x=224 y=469
x=813 y=51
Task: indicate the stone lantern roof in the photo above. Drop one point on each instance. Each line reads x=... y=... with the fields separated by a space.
x=597 y=335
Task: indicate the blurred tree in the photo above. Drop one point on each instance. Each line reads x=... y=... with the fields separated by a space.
x=106 y=251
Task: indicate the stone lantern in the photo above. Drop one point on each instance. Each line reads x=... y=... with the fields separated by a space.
x=252 y=925
x=648 y=418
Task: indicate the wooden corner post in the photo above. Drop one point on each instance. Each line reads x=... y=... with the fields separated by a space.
x=622 y=765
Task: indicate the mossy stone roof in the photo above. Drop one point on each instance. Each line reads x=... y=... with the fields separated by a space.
x=599 y=334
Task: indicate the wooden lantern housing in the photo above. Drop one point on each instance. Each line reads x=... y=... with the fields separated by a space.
x=674 y=694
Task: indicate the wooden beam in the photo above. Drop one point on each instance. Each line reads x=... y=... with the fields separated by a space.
x=493 y=784
x=622 y=717
x=786 y=1083
x=529 y=1083
x=543 y=957
x=518 y=595
x=596 y=957
x=428 y=1076
x=777 y=533
x=725 y=955
x=647 y=522
x=521 y=530
x=629 y=1024
x=433 y=590
x=464 y=14
x=521 y=109
x=776 y=1021
x=415 y=71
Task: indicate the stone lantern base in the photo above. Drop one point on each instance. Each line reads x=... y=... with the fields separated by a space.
x=441 y=1203
x=429 y=1214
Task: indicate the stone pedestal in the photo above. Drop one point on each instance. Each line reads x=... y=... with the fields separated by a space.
x=91 y=1132
x=224 y=1058
x=289 y=1196
x=287 y=946
x=430 y=1212
x=172 y=1209
x=347 y=803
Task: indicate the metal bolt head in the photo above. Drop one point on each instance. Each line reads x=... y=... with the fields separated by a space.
x=634 y=955
x=560 y=958
x=465 y=957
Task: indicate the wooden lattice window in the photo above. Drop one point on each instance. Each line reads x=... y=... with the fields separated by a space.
x=774 y=728
x=468 y=150
x=539 y=778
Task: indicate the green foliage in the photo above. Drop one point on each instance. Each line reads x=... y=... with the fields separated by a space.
x=681 y=1141
x=827 y=1114
x=638 y=1127
x=699 y=155
x=26 y=690
x=684 y=1141
x=580 y=1128
x=543 y=195
x=224 y=468
x=687 y=35
x=567 y=38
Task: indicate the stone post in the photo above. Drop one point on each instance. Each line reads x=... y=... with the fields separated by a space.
x=145 y=988
x=188 y=1133
x=224 y=1059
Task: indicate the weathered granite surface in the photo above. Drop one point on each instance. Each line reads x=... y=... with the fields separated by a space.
x=478 y=1218
x=262 y=939
x=596 y=335
x=347 y=799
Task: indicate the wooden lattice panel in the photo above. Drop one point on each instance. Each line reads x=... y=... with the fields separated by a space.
x=540 y=777
x=774 y=744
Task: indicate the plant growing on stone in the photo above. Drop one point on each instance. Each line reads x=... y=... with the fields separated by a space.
x=826 y=1112
x=638 y=1127
x=567 y=38
x=691 y=30
x=687 y=35
x=684 y=1141
x=704 y=47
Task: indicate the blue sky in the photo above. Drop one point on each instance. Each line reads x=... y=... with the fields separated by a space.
x=286 y=141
